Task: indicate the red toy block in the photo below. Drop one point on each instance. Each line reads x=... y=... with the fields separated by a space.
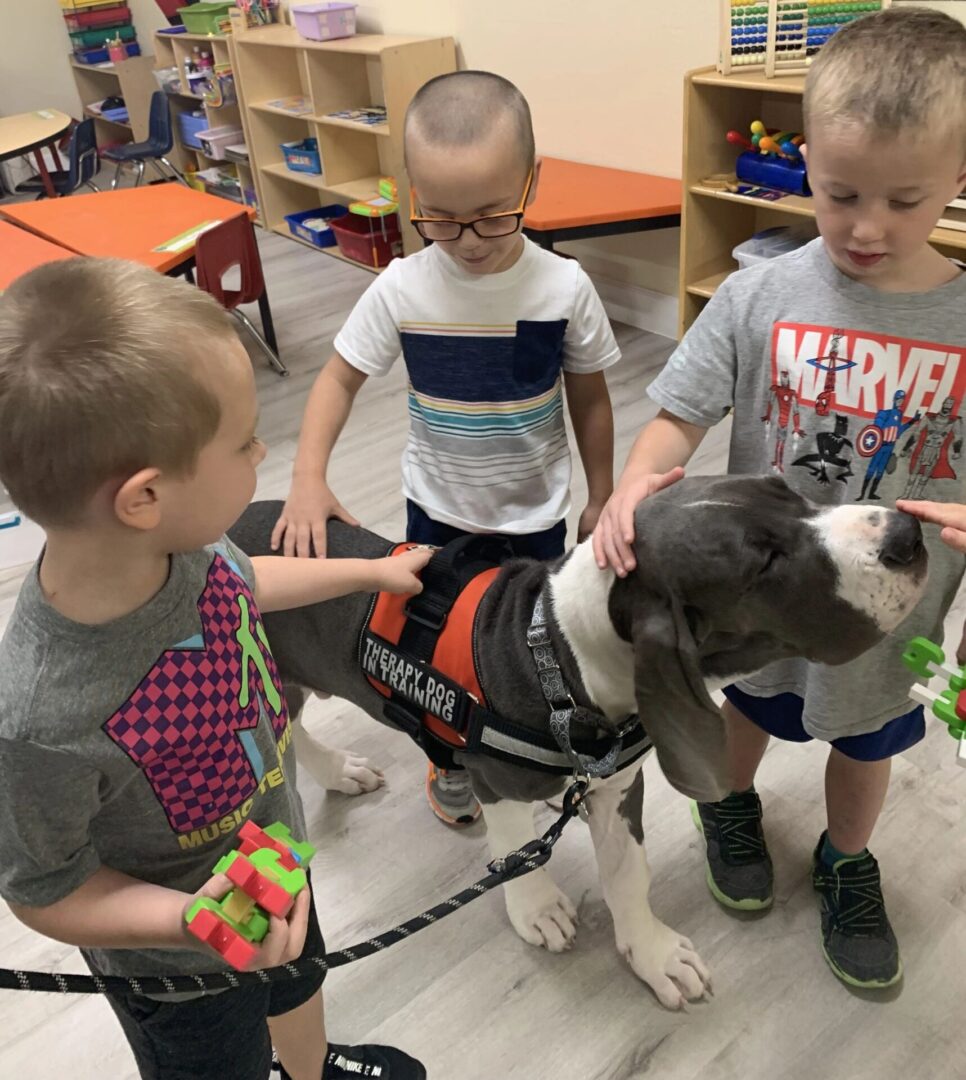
x=207 y=927
x=267 y=894
x=253 y=838
x=961 y=705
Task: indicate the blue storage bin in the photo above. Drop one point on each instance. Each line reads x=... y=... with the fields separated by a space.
x=100 y=56
x=301 y=225
x=302 y=156
x=190 y=125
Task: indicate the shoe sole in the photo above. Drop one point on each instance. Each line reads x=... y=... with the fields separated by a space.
x=749 y=903
x=457 y=823
x=859 y=984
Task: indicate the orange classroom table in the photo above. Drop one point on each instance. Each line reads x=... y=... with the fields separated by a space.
x=126 y=224
x=576 y=202
x=21 y=251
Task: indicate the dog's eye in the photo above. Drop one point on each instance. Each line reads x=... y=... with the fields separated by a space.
x=773 y=560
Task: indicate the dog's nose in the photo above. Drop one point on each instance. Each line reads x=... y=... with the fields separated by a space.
x=902 y=545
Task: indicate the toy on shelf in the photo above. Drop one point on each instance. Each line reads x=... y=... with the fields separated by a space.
x=948 y=705
x=771 y=159
x=267 y=872
x=782 y=36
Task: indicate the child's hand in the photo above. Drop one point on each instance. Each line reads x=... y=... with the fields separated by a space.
x=952 y=516
x=285 y=939
x=614 y=533
x=301 y=525
x=588 y=520
x=397 y=574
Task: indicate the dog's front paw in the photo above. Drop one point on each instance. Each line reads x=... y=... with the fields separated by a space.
x=350 y=774
x=668 y=963
x=540 y=913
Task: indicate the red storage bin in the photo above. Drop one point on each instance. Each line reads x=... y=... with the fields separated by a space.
x=91 y=20
x=372 y=241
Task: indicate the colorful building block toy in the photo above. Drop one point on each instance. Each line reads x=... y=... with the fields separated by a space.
x=948 y=705
x=267 y=872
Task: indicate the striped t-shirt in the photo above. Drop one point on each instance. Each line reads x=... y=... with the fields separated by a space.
x=485 y=354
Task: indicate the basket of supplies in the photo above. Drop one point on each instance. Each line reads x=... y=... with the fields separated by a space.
x=302 y=156
x=207 y=18
x=316 y=226
x=369 y=233
x=325 y=22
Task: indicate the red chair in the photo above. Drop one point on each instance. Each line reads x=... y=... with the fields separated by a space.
x=223 y=248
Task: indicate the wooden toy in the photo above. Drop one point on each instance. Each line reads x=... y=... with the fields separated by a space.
x=781 y=36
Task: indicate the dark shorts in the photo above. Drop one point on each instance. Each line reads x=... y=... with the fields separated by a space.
x=781 y=716
x=217 y=1037
x=421 y=529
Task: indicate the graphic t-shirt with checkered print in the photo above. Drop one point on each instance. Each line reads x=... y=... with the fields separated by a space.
x=142 y=744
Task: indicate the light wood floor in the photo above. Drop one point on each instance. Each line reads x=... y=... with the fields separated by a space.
x=468 y=996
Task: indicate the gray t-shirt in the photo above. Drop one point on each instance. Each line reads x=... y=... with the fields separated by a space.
x=142 y=744
x=853 y=395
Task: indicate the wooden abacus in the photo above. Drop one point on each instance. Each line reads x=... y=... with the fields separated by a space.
x=781 y=36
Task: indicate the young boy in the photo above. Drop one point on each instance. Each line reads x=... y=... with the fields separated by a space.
x=861 y=336
x=486 y=322
x=141 y=714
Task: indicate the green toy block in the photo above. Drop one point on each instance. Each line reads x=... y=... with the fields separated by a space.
x=303 y=851
x=254 y=930
x=920 y=652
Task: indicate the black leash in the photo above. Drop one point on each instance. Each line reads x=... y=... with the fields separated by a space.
x=517 y=864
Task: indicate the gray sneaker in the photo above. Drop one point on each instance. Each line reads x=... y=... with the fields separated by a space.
x=450 y=796
x=739 y=867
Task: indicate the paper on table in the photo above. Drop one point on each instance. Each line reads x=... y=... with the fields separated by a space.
x=185 y=240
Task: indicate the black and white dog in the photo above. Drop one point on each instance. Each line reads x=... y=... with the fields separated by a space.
x=732 y=574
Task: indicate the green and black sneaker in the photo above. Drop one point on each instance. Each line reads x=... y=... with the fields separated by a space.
x=739 y=867
x=857 y=939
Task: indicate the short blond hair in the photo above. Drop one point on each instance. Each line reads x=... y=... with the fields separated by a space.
x=894 y=71
x=101 y=374
x=462 y=108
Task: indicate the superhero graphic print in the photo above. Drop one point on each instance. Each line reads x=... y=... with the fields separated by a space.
x=190 y=724
x=871 y=406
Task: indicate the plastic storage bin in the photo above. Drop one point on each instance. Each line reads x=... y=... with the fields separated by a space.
x=302 y=156
x=101 y=56
x=371 y=241
x=214 y=140
x=88 y=20
x=206 y=18
x=190 y=123
x=771 y=243
x=92 y=39
x=324 y=22
x=313 y=226
x=169 y=79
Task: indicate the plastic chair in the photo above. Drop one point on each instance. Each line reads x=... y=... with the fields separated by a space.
x=154 y=150
x=82 y=165
x=223 y=248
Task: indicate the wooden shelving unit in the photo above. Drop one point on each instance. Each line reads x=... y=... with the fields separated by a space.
x=172 y=50
x=131 y=79
x=714 y=222
x=272 y=63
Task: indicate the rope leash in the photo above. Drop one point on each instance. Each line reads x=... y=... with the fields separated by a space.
x=517 y=864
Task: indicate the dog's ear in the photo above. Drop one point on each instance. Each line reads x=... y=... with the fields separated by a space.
x=683 y=722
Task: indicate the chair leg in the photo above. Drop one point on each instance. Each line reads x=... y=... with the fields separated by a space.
x=153 y=162
x=137 y=183
x=268 y=324
x=176 y=172
x=117 y=175
x=91 y=185
x=262 y=343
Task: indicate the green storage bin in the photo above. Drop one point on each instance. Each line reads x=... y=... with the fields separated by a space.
x=91 y=39
x=206 y=18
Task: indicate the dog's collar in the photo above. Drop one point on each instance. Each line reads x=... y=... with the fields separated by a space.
x=564 y=711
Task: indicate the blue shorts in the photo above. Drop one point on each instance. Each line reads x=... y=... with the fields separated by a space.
x=547 y=544
x=781 y=716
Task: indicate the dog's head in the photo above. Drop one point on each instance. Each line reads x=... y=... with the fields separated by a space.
x=734 y=573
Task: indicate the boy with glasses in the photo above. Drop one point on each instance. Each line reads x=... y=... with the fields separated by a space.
x=492 y=330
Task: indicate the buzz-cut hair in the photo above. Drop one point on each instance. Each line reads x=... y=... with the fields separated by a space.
x=896 y=71
x=106 y=368
x=463 y=107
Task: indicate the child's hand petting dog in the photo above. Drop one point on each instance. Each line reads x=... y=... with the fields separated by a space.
x=399 y=573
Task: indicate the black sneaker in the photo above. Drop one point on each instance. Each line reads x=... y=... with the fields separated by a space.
x=858 y=942
x=375 y=1062
x=739 y=867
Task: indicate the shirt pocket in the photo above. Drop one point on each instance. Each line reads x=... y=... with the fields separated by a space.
x=538 y=353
